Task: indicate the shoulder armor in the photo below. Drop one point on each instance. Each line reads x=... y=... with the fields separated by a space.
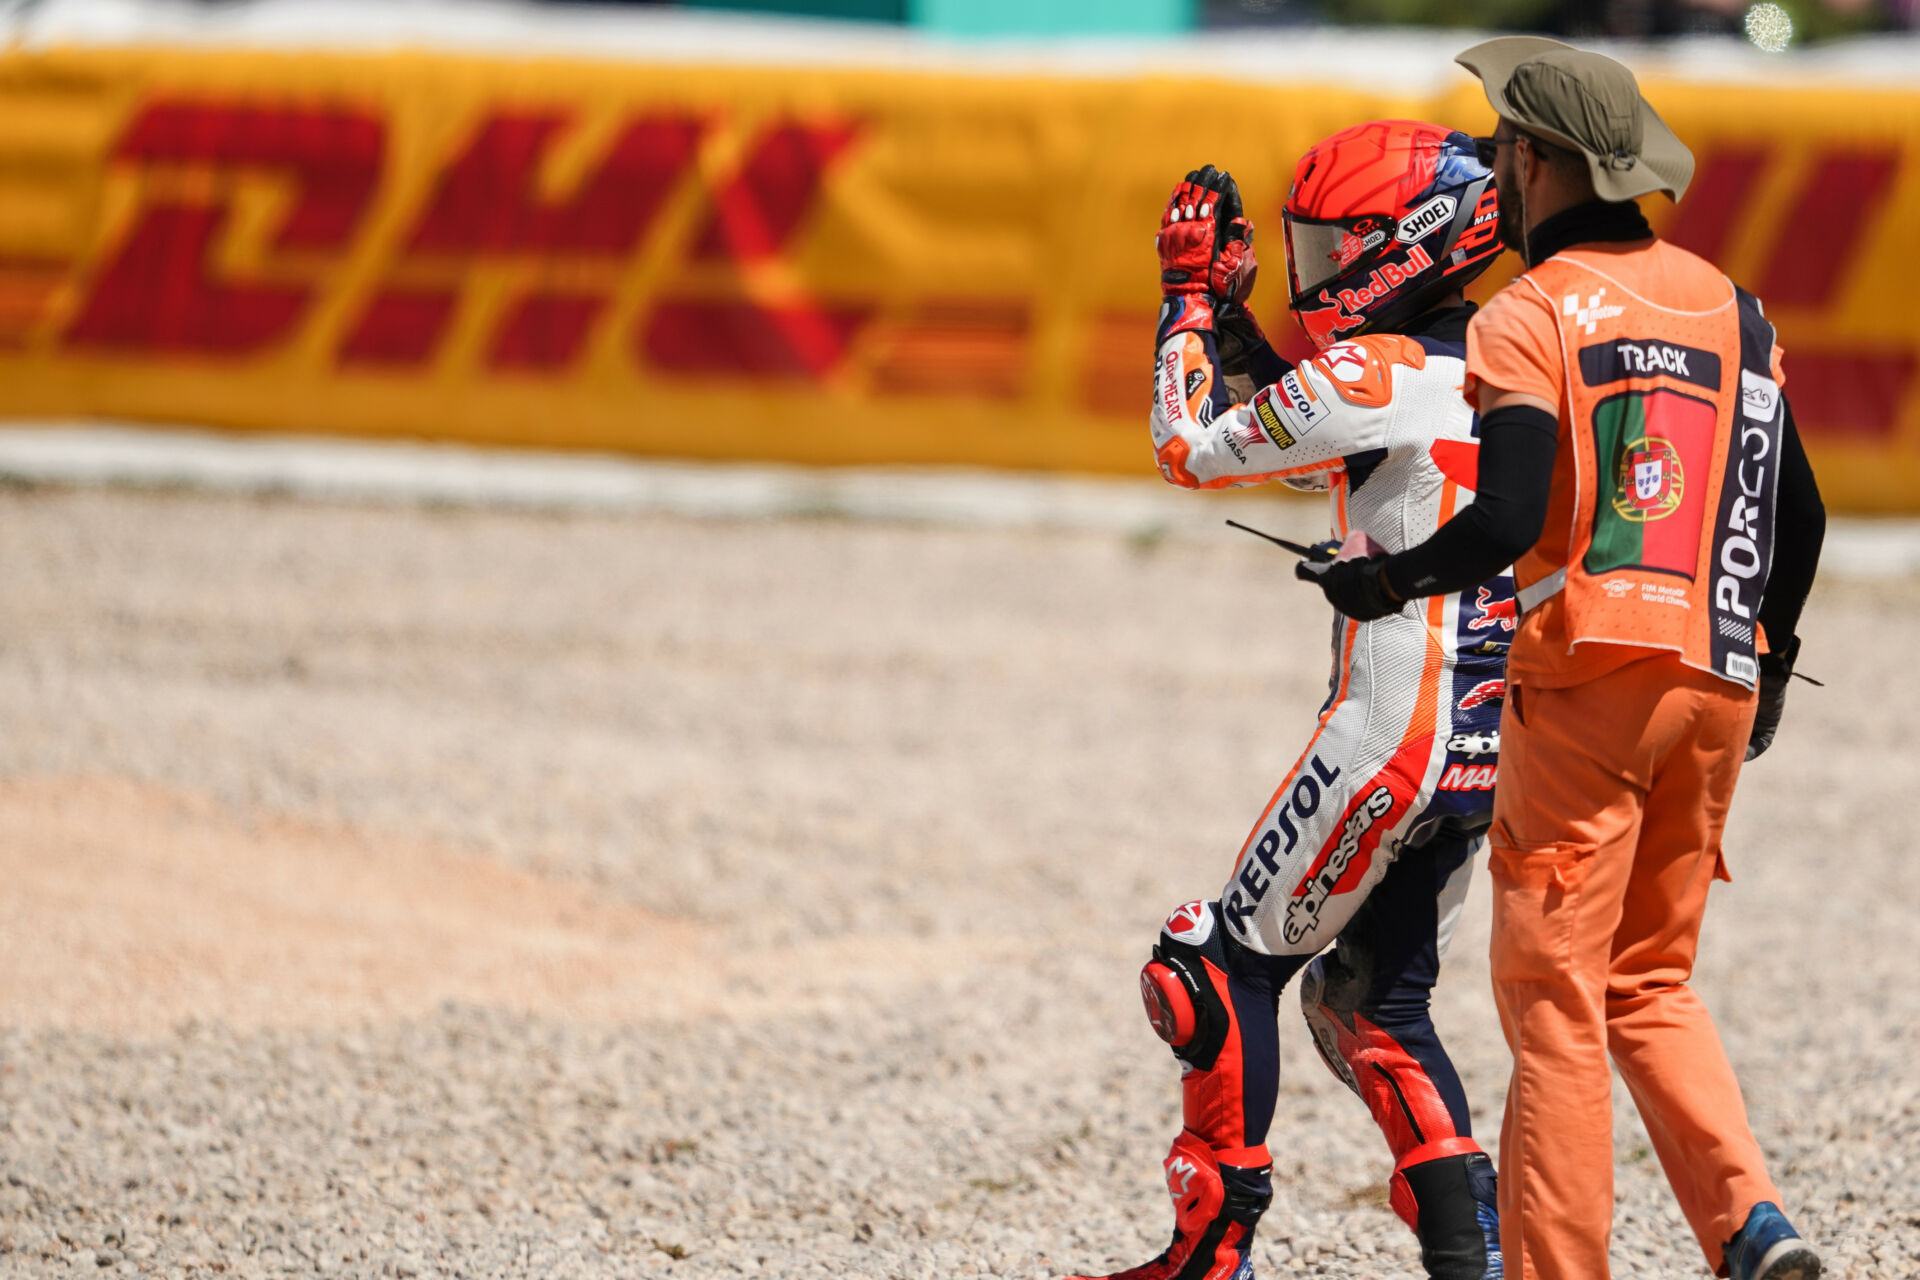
x=1361 y=369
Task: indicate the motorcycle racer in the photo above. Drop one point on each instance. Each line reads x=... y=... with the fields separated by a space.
x=1366 y=844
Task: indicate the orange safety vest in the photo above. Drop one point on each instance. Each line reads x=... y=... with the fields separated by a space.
x=1674 y=419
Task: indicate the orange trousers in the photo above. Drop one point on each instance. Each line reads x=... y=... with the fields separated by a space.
x=1606 y=835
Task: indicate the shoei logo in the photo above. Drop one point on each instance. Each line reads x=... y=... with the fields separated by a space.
x=1190 y=922
x=1417 y=224
x=1368 y=233
x=1589 y=316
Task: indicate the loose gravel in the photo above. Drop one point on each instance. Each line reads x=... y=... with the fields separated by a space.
x=402 y=892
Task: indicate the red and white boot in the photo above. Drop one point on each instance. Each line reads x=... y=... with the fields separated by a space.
x=1215 y=1208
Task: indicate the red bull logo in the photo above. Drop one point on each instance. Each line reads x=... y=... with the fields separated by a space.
x=1494 y=613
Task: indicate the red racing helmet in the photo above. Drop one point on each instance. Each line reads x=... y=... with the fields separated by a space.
x=1383 y=219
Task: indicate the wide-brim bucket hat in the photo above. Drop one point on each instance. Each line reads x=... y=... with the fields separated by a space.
x=1588 y=103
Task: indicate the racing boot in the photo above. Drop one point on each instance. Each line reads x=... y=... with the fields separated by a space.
x=1215 y=1208
x=1450 y=1198
x=1443 y=1185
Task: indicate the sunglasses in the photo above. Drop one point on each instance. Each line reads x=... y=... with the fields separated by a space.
x=1488 y=148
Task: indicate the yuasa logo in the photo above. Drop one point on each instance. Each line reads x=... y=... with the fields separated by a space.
x=1589 y=316
x=1417 y=224
x=1191 y=922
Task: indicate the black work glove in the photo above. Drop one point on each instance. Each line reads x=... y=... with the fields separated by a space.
x=1775 y=670
x=1352 y=586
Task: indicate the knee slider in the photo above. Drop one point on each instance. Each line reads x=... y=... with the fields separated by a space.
x=1181 y=985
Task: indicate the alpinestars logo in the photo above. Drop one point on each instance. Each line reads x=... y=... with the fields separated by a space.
x=1589 y=316
x=1304 y=911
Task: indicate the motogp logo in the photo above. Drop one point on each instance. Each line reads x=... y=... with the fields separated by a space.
x=1589 y=316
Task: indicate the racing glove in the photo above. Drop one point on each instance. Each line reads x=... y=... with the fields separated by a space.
x=1353 y=586
x=1775 y=670
x=1206 y=251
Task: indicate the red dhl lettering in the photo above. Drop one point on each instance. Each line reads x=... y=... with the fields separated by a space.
x=162 y=290
x=165 y=287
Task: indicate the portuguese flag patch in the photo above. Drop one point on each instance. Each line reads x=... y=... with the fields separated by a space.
x=1655 y=453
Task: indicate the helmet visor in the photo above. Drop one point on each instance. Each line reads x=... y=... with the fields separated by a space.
x=1320 y=251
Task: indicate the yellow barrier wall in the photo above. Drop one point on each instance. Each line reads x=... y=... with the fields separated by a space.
x=817 y=266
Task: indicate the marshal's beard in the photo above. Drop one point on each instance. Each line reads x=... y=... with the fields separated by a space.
x=1513 y=218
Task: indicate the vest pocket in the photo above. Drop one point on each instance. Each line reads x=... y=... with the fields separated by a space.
x=1536 y=896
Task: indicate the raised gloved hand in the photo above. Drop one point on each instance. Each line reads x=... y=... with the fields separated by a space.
x=1353 y=586
x=1206 y=251
x=1775 y=670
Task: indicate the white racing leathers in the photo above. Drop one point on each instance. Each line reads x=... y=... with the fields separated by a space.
x=1407 y=744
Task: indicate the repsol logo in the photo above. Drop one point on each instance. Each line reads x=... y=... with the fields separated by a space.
x=1623 y=358
x=1263 y=863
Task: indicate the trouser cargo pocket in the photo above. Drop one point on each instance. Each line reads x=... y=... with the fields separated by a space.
x=1536 y=894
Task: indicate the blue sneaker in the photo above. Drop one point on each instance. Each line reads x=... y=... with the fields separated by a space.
x=1768 y=1248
